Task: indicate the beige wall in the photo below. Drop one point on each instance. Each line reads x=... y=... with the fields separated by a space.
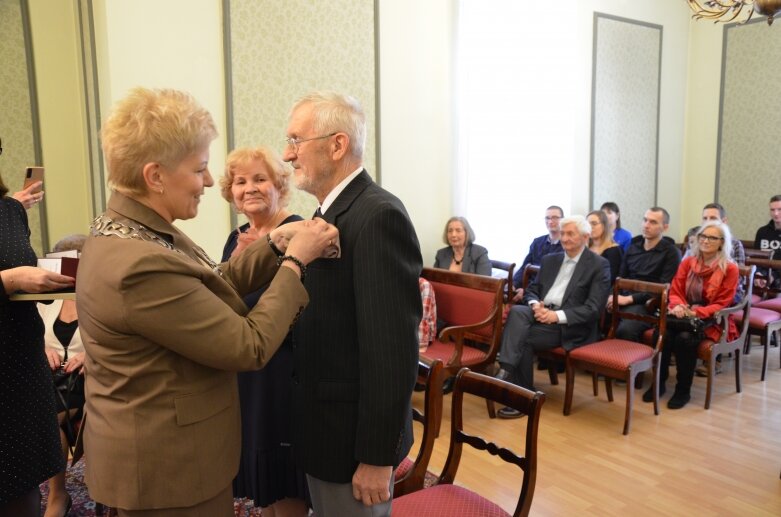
x=416 y=120
x=416 y=140
x=61 y=108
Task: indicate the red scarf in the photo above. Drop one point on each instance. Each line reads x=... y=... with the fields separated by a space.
x=699 y=290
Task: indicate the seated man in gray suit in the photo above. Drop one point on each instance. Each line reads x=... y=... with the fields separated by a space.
x=561 y=307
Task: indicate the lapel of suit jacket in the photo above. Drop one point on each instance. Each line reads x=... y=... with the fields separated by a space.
x=346 y=198
x=582 y=264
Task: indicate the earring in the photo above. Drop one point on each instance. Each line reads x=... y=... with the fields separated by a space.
x=161 y=191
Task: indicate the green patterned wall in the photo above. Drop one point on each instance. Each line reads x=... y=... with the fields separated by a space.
x=16 y=121
x=283 y=50
x=749 y=170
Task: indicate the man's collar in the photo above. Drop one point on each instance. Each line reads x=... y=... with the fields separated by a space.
x=576 y=258
x=331 y=197
x=550 y=239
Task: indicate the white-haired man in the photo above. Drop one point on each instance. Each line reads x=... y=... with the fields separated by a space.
x=356 y=345
x=561 y=307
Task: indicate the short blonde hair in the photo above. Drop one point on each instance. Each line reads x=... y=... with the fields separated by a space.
x=163 y=125
x=272 y=163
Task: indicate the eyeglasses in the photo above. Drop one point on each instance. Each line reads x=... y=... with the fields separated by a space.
x=709 y=238
x=552 y=217
x=295 y=142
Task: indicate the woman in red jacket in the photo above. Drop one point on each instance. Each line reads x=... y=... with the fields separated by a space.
x=704 y=284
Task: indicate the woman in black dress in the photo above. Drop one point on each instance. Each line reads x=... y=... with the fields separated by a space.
x=29 y=439
x=257 y=183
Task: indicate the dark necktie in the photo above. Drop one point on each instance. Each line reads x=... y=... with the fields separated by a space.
x=318 y=213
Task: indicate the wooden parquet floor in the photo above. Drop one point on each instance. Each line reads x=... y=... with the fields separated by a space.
x=688 y=462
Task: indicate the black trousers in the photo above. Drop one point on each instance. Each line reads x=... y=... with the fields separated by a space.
x=684 y=345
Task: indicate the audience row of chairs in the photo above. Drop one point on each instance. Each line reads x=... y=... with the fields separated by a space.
x=471 y=306
x=474 y=306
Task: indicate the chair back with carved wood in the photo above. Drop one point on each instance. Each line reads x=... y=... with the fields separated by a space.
x=410 y=475
x=445 y=498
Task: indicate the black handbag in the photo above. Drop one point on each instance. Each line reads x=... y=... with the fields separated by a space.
x=693 y=325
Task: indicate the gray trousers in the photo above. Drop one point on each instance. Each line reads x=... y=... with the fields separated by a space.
x=336 y=500
x=521 y=337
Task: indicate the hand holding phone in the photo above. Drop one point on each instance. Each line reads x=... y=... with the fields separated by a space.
x=34 y=175
x=32 y=192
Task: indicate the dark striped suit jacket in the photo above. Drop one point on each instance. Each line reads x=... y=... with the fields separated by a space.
x=355 y=346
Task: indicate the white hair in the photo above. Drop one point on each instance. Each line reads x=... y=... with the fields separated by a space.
x=580 y=222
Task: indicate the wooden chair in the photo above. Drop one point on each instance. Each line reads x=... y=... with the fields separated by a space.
x=410 y=475
x=618 y=358
x=755 y=253
x=708 y=350
x=765 y=314
x=445 y=499
x=471 y=305
x=747 y=245
x=509 y=267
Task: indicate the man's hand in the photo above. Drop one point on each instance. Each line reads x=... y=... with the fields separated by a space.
x=622 y=301
x=544 y=315
x=371 y=484
x=518 y=296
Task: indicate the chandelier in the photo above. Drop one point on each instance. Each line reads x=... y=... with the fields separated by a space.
x=729 y=10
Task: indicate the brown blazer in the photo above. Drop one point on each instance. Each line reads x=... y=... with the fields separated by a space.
x=163 y=335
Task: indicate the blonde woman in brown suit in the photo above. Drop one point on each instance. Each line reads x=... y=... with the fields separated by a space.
x=164 y=327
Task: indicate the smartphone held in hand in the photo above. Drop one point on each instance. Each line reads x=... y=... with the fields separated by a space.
x=34 y=175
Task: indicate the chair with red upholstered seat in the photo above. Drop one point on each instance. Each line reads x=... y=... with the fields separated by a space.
x=765 y=314
x=445 y=499
x=618 y=358
x=411 y=474
x=708 y=350
x=471 y=307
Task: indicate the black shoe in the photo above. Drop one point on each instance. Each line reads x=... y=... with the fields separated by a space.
x=447 y=386
x=678 y=400
x=509 y=413
x=648 y=396
x=503 y=375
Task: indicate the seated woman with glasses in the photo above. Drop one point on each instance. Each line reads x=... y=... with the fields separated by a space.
x=602 y=242
x=461 y=253
x=704 y=284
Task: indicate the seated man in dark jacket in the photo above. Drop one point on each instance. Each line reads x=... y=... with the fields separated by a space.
x=651 y=257
x=561 y=307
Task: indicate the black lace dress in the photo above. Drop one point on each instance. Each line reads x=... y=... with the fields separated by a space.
x=29 y=438
x=266 y=472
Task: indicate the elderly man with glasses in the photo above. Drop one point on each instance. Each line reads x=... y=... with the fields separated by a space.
x=356 y=345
